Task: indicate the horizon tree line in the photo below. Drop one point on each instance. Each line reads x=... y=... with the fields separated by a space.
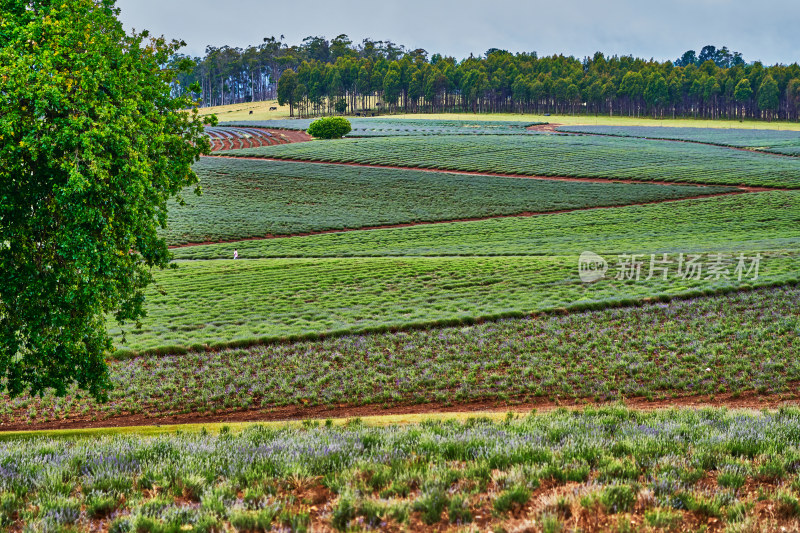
x=323 y=76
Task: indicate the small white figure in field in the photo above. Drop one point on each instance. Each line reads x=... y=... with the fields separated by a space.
x=236 y=254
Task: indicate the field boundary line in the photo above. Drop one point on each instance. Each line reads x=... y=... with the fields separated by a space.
x=689 y=141
x=743 y=187
x=524 y=214
x=455 y=320
x=401 y=414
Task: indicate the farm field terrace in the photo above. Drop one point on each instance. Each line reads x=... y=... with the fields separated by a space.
x=433 y=275
x=223 y=303
x=772 y=141
x=597 y=469
x=722 y=345
x=388 y=126
x=600 y=157
x=245 y=198
x=736 y=223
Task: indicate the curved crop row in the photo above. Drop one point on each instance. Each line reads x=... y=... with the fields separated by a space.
x=554 y=155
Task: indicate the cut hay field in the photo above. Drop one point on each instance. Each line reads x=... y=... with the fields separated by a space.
x=598 y=157
x=243 y=198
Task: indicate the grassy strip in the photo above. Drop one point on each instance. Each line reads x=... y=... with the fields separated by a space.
x=240 y=303
x=680 y=469
x=553 y=155
x=726 y=344
x=772 y=141
x=758 y=221
x=243 y=198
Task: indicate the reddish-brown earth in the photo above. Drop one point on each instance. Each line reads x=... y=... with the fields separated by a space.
x=745 y=400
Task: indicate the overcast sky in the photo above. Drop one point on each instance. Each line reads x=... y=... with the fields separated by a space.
x=765 y=30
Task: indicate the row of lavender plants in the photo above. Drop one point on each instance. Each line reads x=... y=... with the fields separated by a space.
x=730 y=344
x=671 y=467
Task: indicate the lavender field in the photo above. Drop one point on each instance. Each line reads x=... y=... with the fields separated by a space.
x=564 y=469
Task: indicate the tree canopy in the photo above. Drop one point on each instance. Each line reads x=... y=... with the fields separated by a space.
x=92 y=144
x=329 y=128
x=380 y=72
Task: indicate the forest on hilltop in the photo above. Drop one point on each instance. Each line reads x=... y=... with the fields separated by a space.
x=323 y=76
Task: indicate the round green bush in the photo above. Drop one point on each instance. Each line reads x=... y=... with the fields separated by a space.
x=329 y=128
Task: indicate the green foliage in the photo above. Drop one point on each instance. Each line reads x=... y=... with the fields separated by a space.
x=255 y=487
x=768 y=94
x=100 y=505
x=250 y=303
x=329 y=128
x=591 y=363
x=253 y=521
x=288 y=90
x=787 y=504
x=551 y=524
x=731 y=224
x=389 y=127
x=431 y=504
x=92 y=144
x=508 y=499
x=663 y=519
x=458 y=511
x=743 y=92
x=343 y=513
x=618 y=498
x=617 y=469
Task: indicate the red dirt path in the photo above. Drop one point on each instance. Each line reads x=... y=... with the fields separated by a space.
x=748 y=400
x=547 y=127
x=278 y=137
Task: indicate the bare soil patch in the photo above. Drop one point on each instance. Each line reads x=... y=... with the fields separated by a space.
x=744 y=400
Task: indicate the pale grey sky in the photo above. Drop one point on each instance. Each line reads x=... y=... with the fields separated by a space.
x=765 y=30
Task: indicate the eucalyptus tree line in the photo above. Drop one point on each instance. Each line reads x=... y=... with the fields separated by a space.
x=328 y=76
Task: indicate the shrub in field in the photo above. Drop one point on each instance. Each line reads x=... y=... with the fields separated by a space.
x=618 y=498
x=458 y=511
x=507 y=499
x=329 y=128
x=431 y=504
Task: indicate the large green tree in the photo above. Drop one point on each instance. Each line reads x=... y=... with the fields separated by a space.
x=92 y=145
x=287 y=90
x=768 y=96
x=743 y=92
